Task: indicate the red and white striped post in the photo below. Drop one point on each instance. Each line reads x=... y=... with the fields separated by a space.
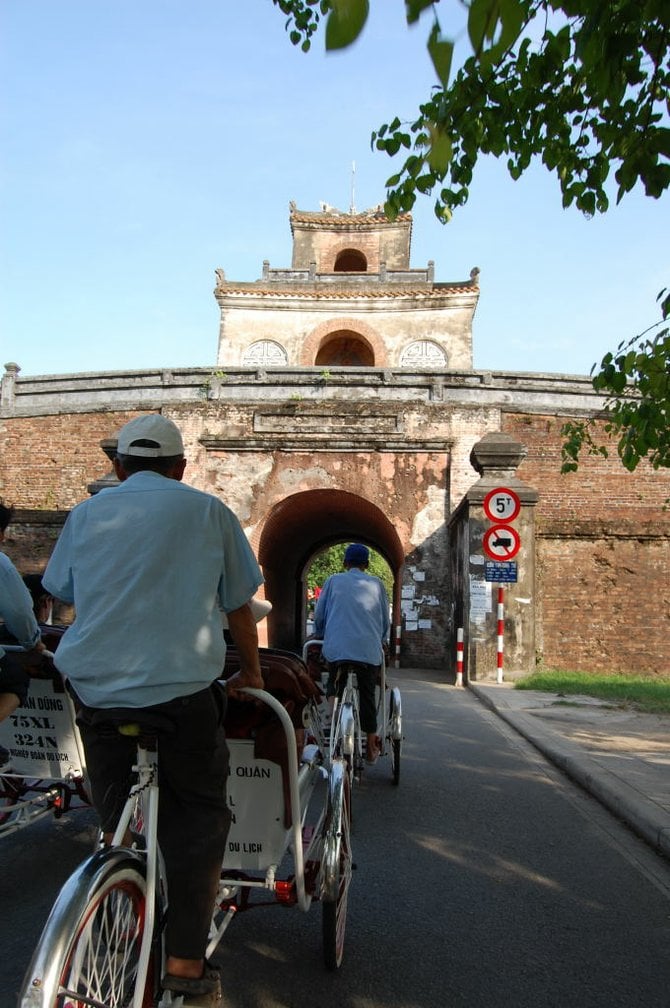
x=397 y=645
x=501 y=631
x=459 y=656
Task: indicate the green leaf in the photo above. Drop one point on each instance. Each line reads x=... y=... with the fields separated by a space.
x=441 y=51
x=345 y=22
x=440 y=153
x=415 y=8
x=482 y=20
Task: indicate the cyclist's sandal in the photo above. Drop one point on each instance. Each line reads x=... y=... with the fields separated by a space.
x=204 y=992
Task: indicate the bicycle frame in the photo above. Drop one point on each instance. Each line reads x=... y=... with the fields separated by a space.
x=146 y=790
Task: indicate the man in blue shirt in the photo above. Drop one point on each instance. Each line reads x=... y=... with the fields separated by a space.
x=149 y=566
x=352 y=618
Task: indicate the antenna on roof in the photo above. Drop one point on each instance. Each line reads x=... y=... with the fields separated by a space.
x=352 y=206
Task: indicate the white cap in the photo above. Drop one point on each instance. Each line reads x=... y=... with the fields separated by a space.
x=163 y=433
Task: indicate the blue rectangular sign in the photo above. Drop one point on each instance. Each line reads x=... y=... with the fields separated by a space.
x=501 y=570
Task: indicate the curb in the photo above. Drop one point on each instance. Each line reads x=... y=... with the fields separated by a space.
x=641 y=814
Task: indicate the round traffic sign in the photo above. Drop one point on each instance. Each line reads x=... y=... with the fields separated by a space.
x=501 y=542
x=501 y=505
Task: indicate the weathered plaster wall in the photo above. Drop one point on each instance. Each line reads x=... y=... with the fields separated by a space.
x=392 y=322
x=398 y=445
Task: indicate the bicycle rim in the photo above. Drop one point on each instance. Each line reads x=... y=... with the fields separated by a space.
x=91 y=943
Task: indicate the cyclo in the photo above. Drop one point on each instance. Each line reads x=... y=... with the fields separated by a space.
x=345 y=717
x=290 y=798
x=47 y=773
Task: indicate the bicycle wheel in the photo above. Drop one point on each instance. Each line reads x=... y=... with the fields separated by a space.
x=336 y=866
x=395 y=733
x=88 y=953
x=395 y=760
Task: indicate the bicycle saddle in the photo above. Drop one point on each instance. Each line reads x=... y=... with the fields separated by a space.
x=147 y=722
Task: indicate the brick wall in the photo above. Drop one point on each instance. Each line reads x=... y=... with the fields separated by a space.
x=602 y=535
x=47 y=462
x=603 y=556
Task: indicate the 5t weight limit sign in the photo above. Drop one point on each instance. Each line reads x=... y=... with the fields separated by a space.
x=502 y=505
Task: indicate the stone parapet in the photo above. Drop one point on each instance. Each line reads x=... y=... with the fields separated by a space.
x=40 y=395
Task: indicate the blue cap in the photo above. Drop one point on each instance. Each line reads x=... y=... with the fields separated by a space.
x=356 y=555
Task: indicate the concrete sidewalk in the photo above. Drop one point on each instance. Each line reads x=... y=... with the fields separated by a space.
x=620 y=756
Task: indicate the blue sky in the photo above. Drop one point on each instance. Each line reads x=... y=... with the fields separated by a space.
x=147 y=142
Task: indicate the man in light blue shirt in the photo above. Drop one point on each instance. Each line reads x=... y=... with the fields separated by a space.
x=149 y=565
x=352 y=618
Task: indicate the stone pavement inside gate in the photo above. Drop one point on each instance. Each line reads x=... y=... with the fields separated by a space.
x=621 y=756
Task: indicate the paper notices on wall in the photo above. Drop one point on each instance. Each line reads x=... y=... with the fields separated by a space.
x=480 y=599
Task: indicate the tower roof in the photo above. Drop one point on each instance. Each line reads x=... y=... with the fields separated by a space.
x=329 y=217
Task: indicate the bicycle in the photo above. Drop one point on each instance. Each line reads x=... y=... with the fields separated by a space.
x=346 y=735
x=102 y=945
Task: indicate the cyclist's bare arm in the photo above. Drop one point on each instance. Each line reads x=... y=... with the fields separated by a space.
x=242 y=626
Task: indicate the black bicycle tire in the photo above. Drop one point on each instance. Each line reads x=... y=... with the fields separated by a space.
x=395 y=760
x=334 y=911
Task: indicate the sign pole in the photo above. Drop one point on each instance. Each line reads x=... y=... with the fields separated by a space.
x=501 y=631
x=459 y=656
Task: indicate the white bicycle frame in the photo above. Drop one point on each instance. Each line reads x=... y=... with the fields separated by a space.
x=146 y=790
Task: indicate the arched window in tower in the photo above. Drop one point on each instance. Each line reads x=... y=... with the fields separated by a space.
x=351 y=261
x=345 y=348
x=423 y=354
x=264 y=353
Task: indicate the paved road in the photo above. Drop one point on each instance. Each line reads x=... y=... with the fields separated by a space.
x=485 y=879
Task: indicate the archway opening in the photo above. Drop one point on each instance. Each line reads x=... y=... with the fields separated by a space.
x=351 y=261
x=296 y=530
x=345 y=348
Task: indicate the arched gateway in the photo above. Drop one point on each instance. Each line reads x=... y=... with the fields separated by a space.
x=299 y=527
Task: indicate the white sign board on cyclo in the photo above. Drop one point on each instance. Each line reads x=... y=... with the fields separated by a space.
x=502 y=505
x=41 y=736
x=258 y=835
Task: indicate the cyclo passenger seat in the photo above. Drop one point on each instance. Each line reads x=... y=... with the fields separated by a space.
x=286 y=678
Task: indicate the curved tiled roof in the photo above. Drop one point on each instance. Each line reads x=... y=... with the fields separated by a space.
x=328 y=293
x=334 y=217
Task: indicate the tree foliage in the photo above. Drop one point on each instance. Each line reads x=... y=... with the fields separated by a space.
x=331 y=561
x=581 y=85
x=636 y=381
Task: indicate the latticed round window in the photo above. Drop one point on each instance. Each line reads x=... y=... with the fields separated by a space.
x=265 y=352
x=423 y=354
